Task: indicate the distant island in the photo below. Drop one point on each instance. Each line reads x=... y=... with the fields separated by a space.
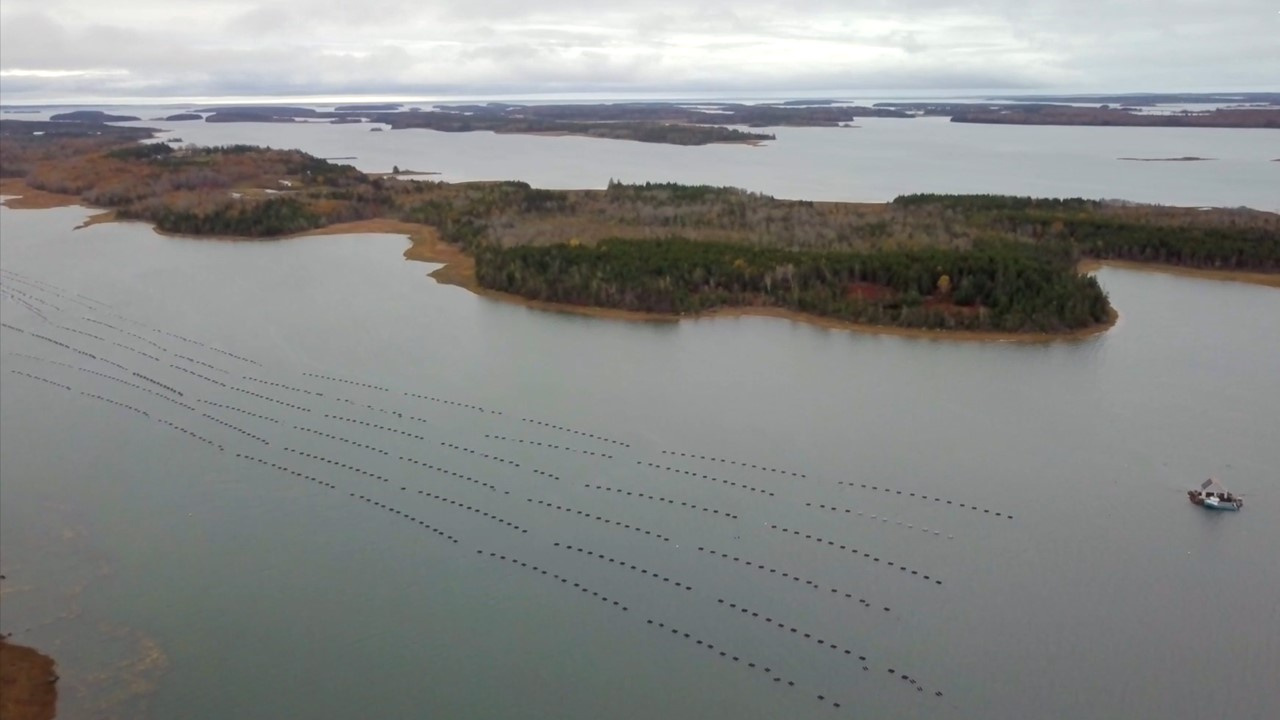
x=1103 y=116
x=976 y=264
x=1141 y=99
x=1185 y=158
x=93 y=116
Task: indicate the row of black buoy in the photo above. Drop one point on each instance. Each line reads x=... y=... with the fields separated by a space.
x=14 y=328
x=41 y=379
x=454 y=403
x=472 y=508
x=668 y=501
x=291 y=471
x=623 y=564
x=394 y=413
x=551 y=446
x=848 y=511
x=544 y=473
x=113 y=364
x=555 y=576
x=375 y=426
x=18 y=295
x=338 y=463
x=105 y=324
x=704 y=476
x=6 y=295
x=176 y=335
x=853 y=550
x=433 y=496
x=233 y=355
x=79 y=332
x=135 y=386
x=384 y=411
x=485 y=455
x=331 y=436
x=260 y=396
x=49 y=339
x=157 y=383
x=199 y=375
x=106 y=376
x=922 y=496
x=201 y=438
x=240 y=430
x=144 y=413
x=571 y=431
x=348 y=382
x=820 y=641
x=178 y=402
x=453 y=474
x=733 y=462
x=674 y=631
x=744 y=610
x=149 y=341
x=775 y=571
x=140 y=352
x=589 y=516
x=239 y=410
x=419 y=521
x=201 y=363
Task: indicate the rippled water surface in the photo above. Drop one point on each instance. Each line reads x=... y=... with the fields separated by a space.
x=300 y=479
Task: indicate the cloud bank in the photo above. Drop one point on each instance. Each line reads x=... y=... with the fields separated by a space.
x=419 y=48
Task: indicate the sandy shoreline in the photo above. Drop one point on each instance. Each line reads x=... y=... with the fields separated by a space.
x=28 y=689
x=459 y=269
x=1241 y=276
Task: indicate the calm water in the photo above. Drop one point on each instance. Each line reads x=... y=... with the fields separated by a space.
x=875 y=162
x=172 y=577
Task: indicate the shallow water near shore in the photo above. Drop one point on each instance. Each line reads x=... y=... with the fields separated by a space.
x=260 y=540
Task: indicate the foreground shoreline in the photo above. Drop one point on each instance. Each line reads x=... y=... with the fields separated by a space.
x=459 y=269
x=28 y=689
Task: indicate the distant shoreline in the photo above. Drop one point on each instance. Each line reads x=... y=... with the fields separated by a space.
x=1187 y=158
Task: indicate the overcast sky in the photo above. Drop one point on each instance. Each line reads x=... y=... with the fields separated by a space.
x=64 y=49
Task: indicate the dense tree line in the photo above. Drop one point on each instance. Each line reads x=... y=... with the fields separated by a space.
x=1238 y=240
x=996 y=285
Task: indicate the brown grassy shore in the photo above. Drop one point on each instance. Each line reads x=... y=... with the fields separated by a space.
x=29 y=198
x=27 y=683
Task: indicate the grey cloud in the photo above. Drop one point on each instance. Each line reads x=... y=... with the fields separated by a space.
x=242 y=47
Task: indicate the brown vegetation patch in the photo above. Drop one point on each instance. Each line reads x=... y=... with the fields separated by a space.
x=869 y=292
x=28 y=689
x=945 y=306
x=29 y=198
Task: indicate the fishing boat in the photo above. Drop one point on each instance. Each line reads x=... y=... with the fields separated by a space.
x=1212 y=496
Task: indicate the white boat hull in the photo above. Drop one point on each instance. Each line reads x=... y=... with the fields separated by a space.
x=1216 y=504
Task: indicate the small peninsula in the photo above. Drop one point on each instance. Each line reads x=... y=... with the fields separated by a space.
x=953 y=263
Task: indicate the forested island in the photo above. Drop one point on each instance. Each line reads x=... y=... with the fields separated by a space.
x=969 y=262
x=1125 y=117
x=598 y=121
